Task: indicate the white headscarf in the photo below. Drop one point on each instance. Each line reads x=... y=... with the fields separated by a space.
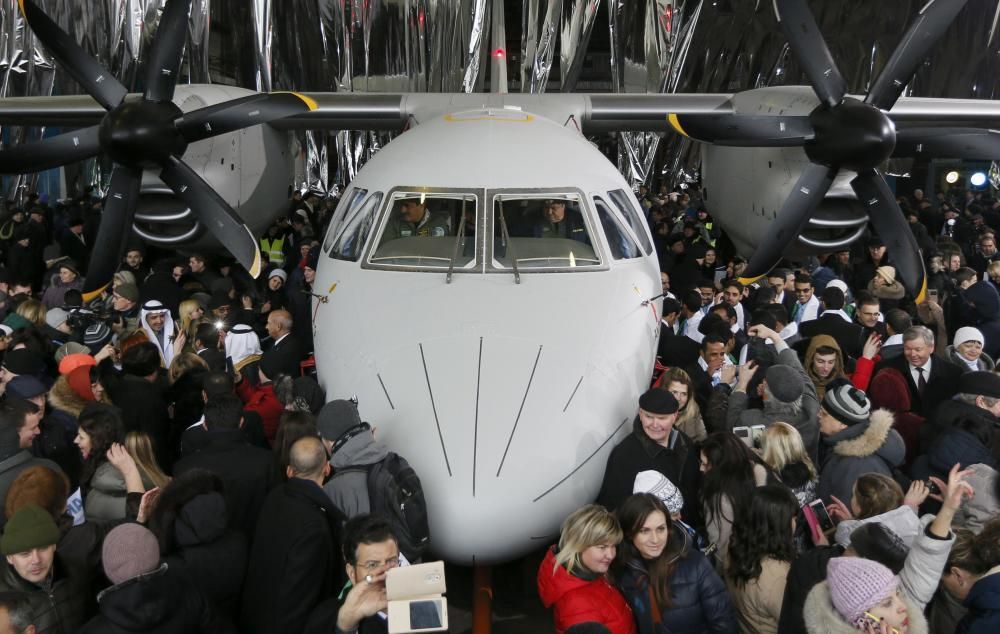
x=242 y=342
x=153 y=307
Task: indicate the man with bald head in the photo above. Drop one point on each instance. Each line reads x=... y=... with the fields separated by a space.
x=295 y=562
x=286 y=352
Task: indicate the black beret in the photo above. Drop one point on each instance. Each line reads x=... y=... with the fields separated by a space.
x=980 y=384
x=657 y=401
x=23 y=362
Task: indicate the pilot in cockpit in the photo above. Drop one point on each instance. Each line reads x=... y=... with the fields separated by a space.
x=415 y=219
x=559 y=222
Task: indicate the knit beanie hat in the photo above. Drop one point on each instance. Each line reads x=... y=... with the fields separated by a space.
x=129 y=550
x=847 y=404
x=337 y=418
x=31 y=527
x=25 y=387
x=784 y=383
x=23 y=361
x=280 y=274
x=857 y=584
x=128 y=291
x=887 y=273
x=659 y=485
x=56 y=317
x=96 y=335
x=79 y=382
x=68 y=348
x=968 y=333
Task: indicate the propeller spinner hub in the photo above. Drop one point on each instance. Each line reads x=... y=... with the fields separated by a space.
x=853 y=135
x=142 y=133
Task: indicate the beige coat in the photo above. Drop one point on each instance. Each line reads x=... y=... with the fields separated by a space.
x=758 y=603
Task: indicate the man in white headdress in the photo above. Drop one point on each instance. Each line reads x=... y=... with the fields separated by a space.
x=159 y=327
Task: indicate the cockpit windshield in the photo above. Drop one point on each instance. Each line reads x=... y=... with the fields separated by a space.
x=429 y=230
x=548 y=231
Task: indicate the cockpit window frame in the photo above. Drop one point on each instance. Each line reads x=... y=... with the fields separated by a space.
x=351 y=201
x=520 y=193
x=388 y=202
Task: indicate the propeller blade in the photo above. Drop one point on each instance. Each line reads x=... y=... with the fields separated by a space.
x=958 y=143
x=164 y=60
x=116 y=224
x=94 y=78
x=892 y=227
x=799 y=26
x=50 y=152
x=933 y=20
x=741 y=130
x=237 y=114
x=214 y=212
x=809 y=190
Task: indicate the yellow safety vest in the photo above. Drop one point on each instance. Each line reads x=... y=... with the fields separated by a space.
x=274 y=249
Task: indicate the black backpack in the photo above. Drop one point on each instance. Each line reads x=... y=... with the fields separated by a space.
x=394 y=493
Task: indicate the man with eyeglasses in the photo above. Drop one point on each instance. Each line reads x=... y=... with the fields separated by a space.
x=296 y=562
x=806 y=303
x=869 y=316
x=371 y=550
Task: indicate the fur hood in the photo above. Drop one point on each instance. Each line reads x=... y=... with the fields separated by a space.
x=822 y=618
x=62 y=397
x=869 y=441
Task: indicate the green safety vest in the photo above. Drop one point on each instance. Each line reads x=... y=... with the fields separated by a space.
x=274 y=249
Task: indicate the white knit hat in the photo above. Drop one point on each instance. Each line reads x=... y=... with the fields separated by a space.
x=968 y=333
x=659 y=485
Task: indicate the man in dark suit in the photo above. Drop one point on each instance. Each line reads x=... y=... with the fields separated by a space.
x=206 y=345
x=674 y=349
x=776 y=279
x=929 y=379
x=286 y=353
x=836 y=323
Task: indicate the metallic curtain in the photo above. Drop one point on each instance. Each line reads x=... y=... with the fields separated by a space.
x=539 y=27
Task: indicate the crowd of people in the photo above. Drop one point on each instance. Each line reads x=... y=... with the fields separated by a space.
x=818 y=451
x=167 y=461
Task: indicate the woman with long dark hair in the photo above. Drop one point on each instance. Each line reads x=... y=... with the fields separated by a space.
x=731 y=472
x=760 y=554
x=101 y=483
x=670 y=585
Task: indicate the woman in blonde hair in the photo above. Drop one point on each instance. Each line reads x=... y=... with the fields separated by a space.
x=140 y=447
x=783 y=450
x=689 y=420
x=34 y=311
x=573 y=576
x=192 y=315
x=184 y=362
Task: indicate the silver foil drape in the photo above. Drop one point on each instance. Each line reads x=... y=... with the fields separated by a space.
x=442 y=45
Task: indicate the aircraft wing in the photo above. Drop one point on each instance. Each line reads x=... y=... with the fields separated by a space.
x=594 y=112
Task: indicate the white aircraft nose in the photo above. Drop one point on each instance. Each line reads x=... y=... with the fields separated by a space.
x=508 y=436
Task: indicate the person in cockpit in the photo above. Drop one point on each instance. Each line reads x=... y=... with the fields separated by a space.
x=559 y=222
x=415 y=219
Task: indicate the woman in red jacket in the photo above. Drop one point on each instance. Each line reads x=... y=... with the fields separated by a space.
x=573 y=576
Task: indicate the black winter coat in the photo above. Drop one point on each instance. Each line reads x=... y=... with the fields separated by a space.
x=948 y=417
x=158 y=602
x=247 y=472
x=59 y=611
x=209 y=556
x=638 y=453
x=806 y=571
x=699 y=600
x=295 y=562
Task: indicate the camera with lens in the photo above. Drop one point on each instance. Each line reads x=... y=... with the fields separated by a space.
x=82 y=318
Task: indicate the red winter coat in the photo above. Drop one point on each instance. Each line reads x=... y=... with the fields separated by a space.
x=577 y=600
x=261 y=399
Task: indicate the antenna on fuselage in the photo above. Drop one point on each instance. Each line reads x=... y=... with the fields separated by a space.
x=498 y=52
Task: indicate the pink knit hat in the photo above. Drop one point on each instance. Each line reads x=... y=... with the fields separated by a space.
x=857 y=584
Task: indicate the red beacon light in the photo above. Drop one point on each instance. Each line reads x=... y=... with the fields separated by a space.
x=499 y=53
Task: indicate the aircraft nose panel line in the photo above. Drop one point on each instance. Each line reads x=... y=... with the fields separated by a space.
x=586 y=460
x=437 y=421
x=574 y=393
x=475 y=429
x=527 y=388
x=385 y=391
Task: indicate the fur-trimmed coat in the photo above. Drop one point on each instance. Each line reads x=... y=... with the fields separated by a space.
x=62 y=397
x=872 y=447
x=822 y=618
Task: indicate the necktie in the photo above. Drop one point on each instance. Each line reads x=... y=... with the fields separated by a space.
x=797 y=313
x=921 y=380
